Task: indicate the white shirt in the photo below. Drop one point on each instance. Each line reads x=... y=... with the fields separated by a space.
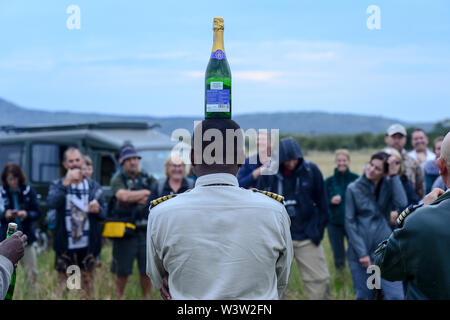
x=220 y=242
x=429 y=156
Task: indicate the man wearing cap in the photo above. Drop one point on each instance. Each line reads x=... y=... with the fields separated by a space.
x=131 y=187
x=396 y=138
x=418 y=250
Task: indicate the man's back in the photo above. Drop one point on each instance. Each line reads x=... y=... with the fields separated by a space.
x=219 y=241
x=418 y=252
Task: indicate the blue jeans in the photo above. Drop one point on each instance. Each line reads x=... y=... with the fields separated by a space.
x=336 y=234
x=391 y=290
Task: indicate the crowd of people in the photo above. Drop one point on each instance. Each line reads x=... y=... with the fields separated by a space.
x=360 y=209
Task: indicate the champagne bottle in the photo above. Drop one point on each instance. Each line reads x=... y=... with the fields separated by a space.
x=12 y=227
x=218 y=78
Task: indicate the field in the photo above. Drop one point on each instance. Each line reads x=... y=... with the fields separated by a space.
x=104 y=286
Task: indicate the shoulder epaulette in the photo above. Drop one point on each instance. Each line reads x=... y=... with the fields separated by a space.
x=271 y=195
x=402 y=216
x=155 y=202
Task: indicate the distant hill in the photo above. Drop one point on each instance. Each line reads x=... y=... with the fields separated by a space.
x=309 y=123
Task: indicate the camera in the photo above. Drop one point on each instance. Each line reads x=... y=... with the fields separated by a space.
x=291 y=208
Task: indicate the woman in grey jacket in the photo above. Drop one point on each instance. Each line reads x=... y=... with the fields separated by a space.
x=368 y=205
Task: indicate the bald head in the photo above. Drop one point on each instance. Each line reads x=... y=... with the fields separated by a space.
x=445 y=150
x=444 y=160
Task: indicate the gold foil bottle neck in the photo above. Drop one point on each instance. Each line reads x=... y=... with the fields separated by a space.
x=218 y=24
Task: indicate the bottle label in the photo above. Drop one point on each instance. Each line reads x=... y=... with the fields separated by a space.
x=217 y=98
x=218 y=54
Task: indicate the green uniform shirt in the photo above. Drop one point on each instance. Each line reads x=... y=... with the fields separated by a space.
x=419 y=252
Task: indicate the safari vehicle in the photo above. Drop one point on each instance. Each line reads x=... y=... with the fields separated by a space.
x=39 y=150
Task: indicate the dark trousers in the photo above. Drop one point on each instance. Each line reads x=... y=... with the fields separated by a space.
x=336 y=234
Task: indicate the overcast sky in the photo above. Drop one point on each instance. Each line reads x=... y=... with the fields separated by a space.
x=149 y=57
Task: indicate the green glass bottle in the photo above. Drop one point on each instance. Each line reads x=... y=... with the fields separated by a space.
x=12 y=227
x=218 y=78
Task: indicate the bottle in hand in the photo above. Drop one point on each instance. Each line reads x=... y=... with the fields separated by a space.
x=12 y=227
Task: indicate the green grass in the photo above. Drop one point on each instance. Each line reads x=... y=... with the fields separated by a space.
x=341 y=287
x=104 y=285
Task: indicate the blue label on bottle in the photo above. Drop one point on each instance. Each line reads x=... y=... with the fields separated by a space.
x=218 y=96
x=218 y=54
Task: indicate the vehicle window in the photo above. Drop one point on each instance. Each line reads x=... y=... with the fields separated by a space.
x=11 y=153
x=45 y=162
x=107 y=169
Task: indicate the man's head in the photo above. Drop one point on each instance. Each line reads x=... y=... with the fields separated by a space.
x=72 y=158
x=443 y=162
x=437 y=144
x=291 y=154
x=377 y=167
x=419 y=140
x=218 y=147
x=129 y=160
x=396 y=137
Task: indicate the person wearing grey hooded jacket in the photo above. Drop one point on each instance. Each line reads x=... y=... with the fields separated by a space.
x=368 y=205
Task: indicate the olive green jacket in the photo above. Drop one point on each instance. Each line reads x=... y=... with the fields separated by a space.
x=419 y=252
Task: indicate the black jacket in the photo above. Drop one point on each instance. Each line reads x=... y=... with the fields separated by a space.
x=305 y=187
x=27 y=201
x=56 y=199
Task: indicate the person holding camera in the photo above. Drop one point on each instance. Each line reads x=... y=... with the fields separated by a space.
x=131 y=188
x=369 y=201
x=22 y=207
x=80 y=207
x=301 y=183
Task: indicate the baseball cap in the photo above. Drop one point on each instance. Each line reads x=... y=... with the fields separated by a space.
x=396 y=128
x=127 y=153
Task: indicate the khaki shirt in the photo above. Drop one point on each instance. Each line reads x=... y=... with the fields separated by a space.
x=220 y=242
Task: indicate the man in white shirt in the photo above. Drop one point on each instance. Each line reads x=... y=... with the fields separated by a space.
x=219 y=241
x=419 y=141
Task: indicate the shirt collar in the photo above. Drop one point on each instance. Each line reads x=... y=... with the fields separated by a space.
x=223 y=178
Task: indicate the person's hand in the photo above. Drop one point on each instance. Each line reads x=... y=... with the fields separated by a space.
x=394 y=166
x=73 y=175
x=94 y=206
x=433 y=195
x=365 y=261
x=10 y=214
x=13 y=248
x=336 y=200
x=394 y=216
x=164 y=291
x=22 y=214
x=145 y=195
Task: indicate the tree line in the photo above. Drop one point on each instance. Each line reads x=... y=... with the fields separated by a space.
x=362 y=140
